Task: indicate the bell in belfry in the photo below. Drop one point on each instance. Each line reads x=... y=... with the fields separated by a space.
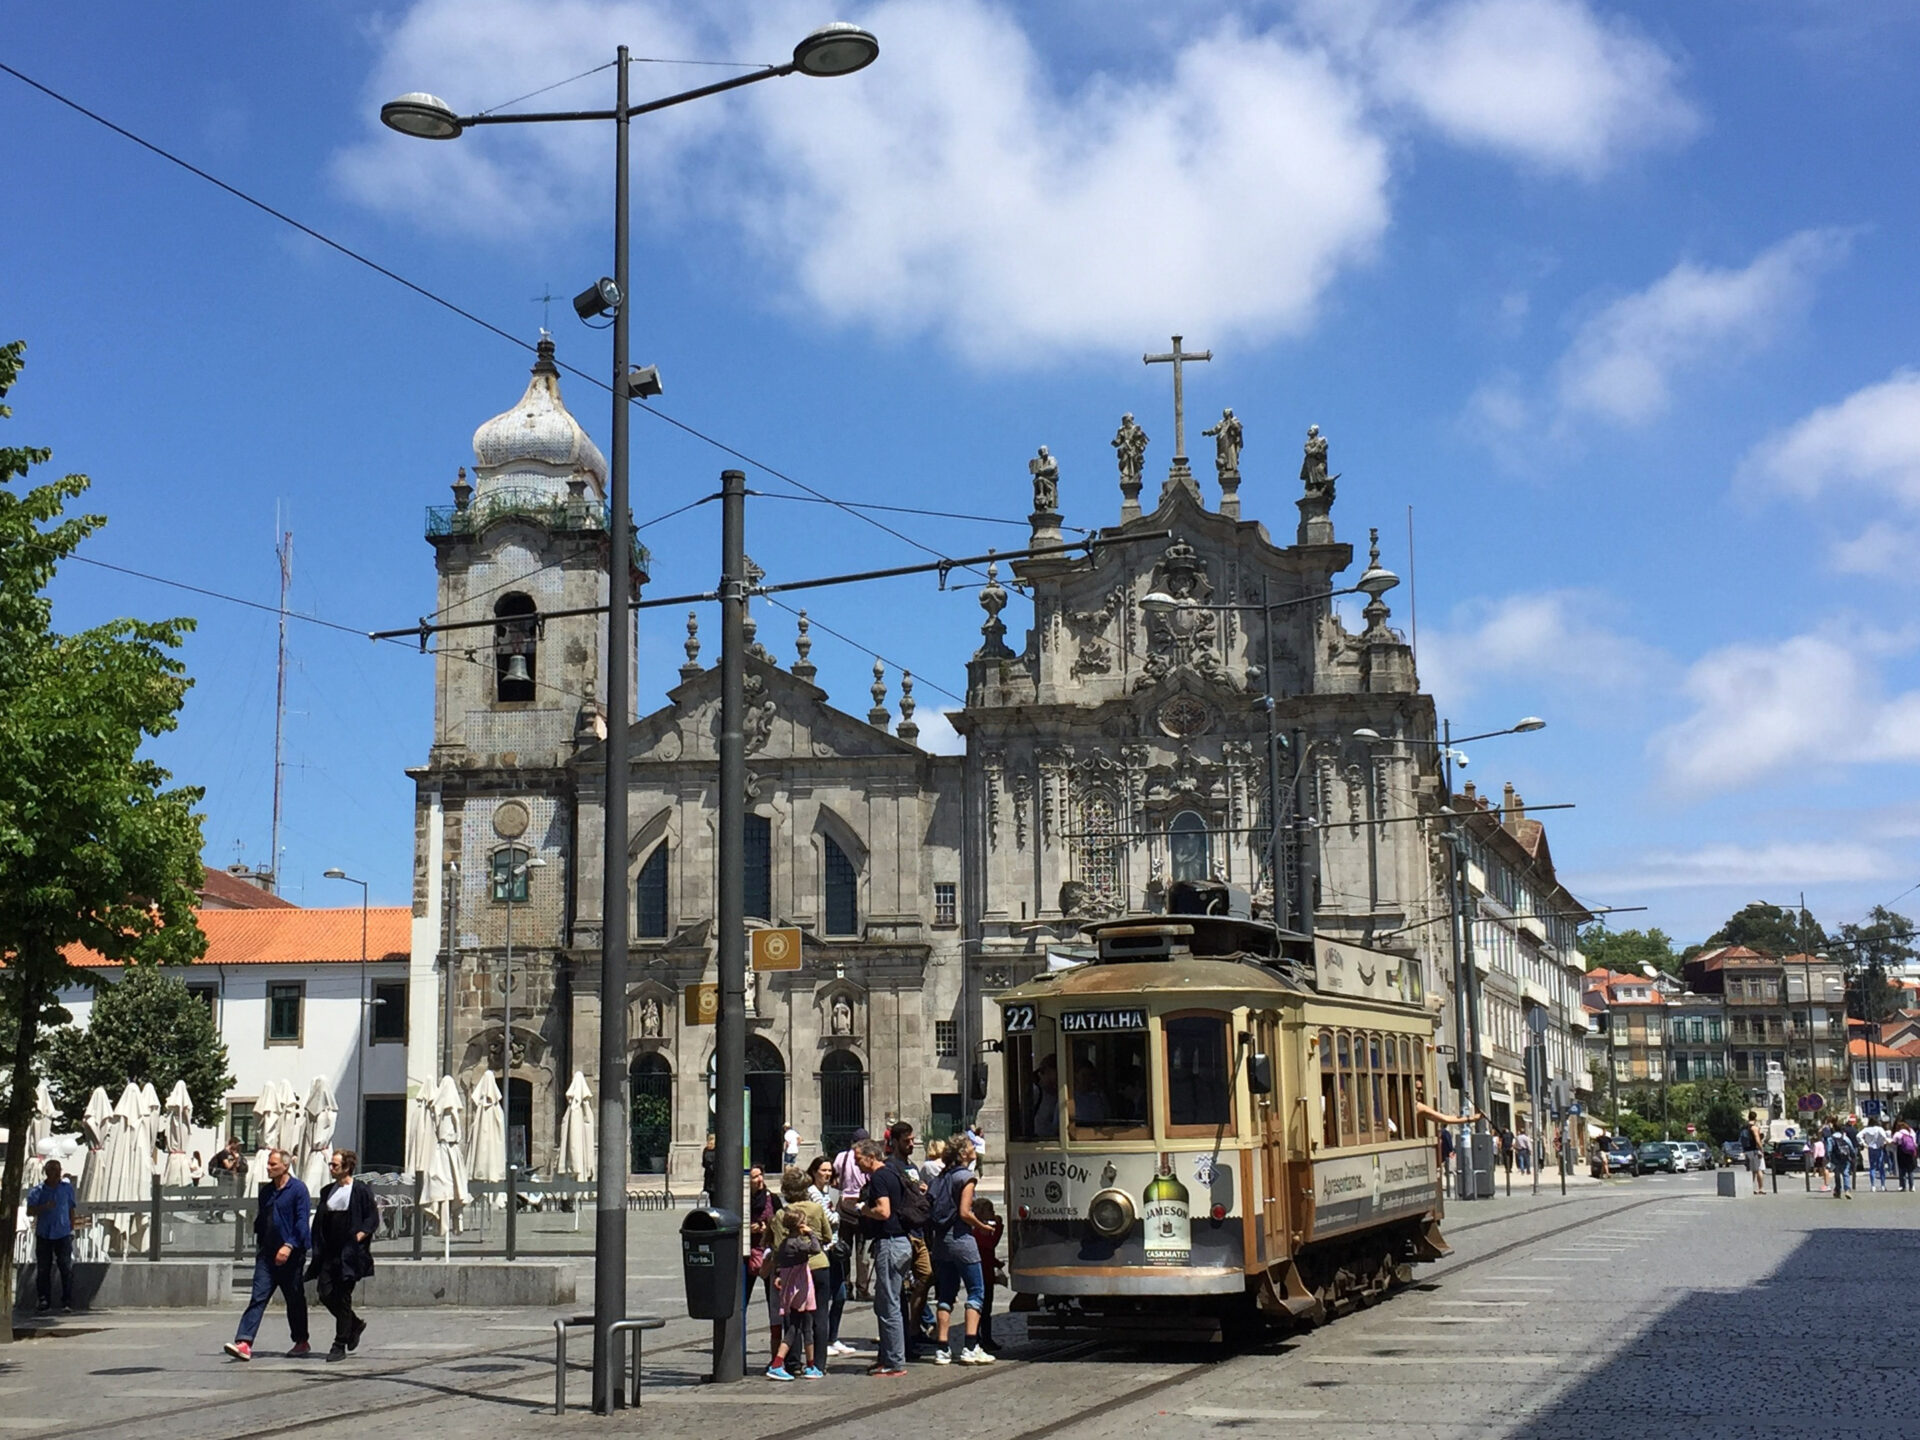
x=517 y=671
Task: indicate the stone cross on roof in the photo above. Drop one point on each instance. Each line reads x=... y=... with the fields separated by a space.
x=1178 y=359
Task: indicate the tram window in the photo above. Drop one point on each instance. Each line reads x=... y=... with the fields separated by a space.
x=1199 y=1077
x=1409 y=1063
x=1033 y=1083
x=1329 y=1100
x=1396 y=1113
x=1107 y=1085
x=1376 y=1082
x=1344 y=1060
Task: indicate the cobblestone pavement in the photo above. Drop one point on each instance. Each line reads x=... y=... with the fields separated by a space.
x=1638 y=1308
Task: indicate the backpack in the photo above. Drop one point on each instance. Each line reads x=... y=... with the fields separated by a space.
x=1908 y=1145
x=915 y=1208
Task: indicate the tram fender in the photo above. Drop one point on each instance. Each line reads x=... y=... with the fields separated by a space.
x=1429 y=1243
x=1282 y=1291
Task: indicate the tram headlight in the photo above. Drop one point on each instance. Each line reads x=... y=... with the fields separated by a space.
x=1110 y=1213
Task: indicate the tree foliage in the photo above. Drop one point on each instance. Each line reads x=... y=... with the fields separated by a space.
x=1873 y=951
x=147 y=1027
x=1771 y=930
x=1627 y=950
x=95 y=849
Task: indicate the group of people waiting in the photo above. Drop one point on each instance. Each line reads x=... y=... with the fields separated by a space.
x=875 y=1222
x=1840 y=1151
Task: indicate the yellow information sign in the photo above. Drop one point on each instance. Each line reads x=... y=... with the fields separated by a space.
x=775 y=949
x=703 y=1004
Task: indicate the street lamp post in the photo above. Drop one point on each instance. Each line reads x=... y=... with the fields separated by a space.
x=1466 y=979
x=832 y=50
x=1374 y=582
x=360 y=1031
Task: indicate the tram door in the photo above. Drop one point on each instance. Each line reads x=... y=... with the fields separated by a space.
x=1272 y=1110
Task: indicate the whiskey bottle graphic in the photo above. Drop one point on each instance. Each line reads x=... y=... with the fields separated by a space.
x=1169 y=1237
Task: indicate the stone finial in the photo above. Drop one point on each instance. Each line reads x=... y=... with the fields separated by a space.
x=908 y=731
x=877 y=717
x=803 y=666
x=1374 y=584
x=993 y=599
x=462 y=491
x=750 y=627
x=1130 y=450
x=692 y=667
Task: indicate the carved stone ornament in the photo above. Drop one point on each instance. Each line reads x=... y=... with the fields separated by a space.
x=1022 y=800
x=1184 y=717
x=651 y=1018
x=1184 y=638
x=840 y=1015
x=1095 y=650
x=510 y=820
x=756 y=725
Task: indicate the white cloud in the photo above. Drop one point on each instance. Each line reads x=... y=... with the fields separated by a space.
x=1622 y=362
x=937 y=735
x=1553 y=635
x=1882 y=549
x=1868 y=441
x=1749 y=868
x=1545 y=82
x=975 y=186
x=1809 y=700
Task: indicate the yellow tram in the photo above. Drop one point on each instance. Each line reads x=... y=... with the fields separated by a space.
x=1204 y=1127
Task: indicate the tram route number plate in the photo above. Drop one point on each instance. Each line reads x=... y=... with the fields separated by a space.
x=1083 y=1022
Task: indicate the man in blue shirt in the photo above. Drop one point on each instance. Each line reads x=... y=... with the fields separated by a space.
x=280 y=1229
x=51 y=1206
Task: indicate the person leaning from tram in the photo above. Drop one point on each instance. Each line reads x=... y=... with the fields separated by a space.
x=1423 y=1111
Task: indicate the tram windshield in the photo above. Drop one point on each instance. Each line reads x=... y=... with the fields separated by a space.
x=1199 y=1082
x=1107 y=1084
x=1033 y=1078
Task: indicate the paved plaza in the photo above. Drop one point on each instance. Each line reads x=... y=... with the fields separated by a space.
x=1637 y=1308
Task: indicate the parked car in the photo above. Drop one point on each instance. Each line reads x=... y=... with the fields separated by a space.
x=1621 y=1159
x=1659 y=1155
x=1693 y=1155
x=1788 y=1157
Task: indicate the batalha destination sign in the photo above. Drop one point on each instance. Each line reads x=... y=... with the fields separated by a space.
x=1079 y=1022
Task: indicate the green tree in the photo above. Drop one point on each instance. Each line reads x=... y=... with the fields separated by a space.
x=1872 y=951
x=1770 y=930
x=96 y=851
x=148 y=1027
x=1627 y=950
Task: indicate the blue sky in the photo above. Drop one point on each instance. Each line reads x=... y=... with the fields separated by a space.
x=1616 y=300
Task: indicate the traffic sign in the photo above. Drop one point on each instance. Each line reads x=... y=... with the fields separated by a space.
x=1576 y=1108
x=775 y=948
x=1813 y=1102
x=1870 y=1107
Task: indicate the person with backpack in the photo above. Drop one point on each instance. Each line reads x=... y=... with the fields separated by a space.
x=892 y=1254
x=914 y=1211
x=799 y=1268
x=1755 y=1152
x=822 y=1191
x=1906 y=1150
x=848 y=1180
x=1841 y=1153
x=953 y=1228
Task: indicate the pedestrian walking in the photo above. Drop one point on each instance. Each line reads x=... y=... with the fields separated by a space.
x=1754 y=1152
x=1905 y=1148
x=953 y=1230
x=789 y=1148
x=992 y=1228
x=281 y=1237
x=1523 y=1152
x=977 y=1137
x=1873 y=1141
x=707 y=1182
x=762 y=1206
x=1840 y=1157
x=343 y=1231
x=913 y=1215
x=50 y=1205
x=801 y=1270
x=1819 y=1153
x=880 y=1202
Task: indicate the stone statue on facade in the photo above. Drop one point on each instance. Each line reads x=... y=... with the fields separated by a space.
x=1046 y=483
x=1130 y=448
x=841 y=1016
x=1313 y=469
x=1227 y=439
x=650 y=1018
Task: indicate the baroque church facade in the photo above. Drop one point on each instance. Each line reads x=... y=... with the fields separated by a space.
x=1182 y=684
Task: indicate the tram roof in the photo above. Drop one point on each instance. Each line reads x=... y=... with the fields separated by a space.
x=1156 y=977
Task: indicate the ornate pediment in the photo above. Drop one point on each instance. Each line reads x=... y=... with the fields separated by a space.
x=785 y=718
x=1183 y=637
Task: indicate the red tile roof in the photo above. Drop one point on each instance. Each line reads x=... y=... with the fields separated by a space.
x=222 y=891
x=294 y=936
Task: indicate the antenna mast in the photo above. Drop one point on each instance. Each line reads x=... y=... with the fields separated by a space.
x=283 y=551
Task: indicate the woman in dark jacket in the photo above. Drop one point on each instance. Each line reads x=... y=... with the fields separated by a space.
x=344 y=1222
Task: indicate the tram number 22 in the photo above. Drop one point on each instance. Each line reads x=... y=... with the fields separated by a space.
x=1018 y=1020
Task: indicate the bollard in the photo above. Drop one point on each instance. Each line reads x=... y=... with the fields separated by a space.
x=512 y=1209
x=153 y=1221
x=419 y=1219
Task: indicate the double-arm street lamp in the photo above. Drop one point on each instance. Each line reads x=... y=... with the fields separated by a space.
x=1374 y=583
x=829 y=51
x=360 y=1032
x=1466 y=988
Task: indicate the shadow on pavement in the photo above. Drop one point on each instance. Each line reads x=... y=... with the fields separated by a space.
x=1822 y=1344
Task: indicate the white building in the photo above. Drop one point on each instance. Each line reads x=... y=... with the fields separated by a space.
x=289 y=989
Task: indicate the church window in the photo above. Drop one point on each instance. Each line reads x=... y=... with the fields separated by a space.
x=651 y=896
x=505 y=883
x=946 y=1038
x=1099 y=848
x=843 y=903
x=758 y=836
x=946 y=903
x=1187 y=839
x=514 y=656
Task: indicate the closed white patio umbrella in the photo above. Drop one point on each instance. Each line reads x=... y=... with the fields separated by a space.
x=446 y=1188
x=95 y=1123
x=320 y=1115
x=179 y=1135
x=43 y=1117
x=419 y=1154
x=487 y=1145
x=577 y=1153
x=126 y=1169
x=153 y=1118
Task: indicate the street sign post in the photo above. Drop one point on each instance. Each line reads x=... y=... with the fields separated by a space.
x=775 y=948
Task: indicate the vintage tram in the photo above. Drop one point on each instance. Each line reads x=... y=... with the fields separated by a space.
x=1213 y=1127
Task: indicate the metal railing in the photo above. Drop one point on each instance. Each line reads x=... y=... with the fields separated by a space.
x=525 y=503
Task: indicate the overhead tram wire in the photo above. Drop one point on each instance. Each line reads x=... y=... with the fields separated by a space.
x=816 y=624
x=446 y=304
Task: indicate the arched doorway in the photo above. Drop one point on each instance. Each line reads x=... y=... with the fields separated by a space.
x=843 y=1099
x=766 y=1101
x=519 y=1098
x=652 y=1113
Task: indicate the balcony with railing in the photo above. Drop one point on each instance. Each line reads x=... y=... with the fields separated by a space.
x=541 y=507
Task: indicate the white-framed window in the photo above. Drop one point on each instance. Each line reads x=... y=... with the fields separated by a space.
x=946 y=902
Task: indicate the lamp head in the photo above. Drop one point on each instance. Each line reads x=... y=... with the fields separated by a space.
x=336 y=873
x=1364 y=733
x=836 y=49
x=597 y=299
x=1377 y=580
x=1158 y=602
x=423 y=116
x=1528 y=724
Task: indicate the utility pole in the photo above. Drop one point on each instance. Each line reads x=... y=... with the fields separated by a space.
x=283 y=552
x=730 y=1040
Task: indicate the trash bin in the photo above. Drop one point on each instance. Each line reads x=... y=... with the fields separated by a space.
x=710 y=1262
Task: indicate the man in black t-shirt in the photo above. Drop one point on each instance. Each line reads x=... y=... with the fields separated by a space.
x=880 y=1204
x=900 y=1139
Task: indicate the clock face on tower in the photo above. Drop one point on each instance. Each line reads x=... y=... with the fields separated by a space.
x=1184 y=717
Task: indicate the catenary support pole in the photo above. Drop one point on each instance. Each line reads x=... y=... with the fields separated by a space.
x=610 y=1213
x=730 y=1043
